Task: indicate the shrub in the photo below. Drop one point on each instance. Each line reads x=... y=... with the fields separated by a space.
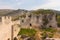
x=28 y=32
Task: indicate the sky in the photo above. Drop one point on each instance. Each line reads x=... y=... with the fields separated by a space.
x=30 y=4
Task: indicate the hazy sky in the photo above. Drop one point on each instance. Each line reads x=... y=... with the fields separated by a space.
x=30 y=4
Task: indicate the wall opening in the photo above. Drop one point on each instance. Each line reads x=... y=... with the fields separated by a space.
x=50 y=26
x=30 y=24
x=22 y=21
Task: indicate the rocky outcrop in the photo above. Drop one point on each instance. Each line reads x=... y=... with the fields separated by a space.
x=39 y=21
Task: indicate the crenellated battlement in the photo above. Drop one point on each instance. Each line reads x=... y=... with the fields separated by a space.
x=6 y=19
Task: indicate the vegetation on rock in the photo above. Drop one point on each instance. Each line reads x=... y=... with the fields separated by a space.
x=42 y=12
x=48 y=32
x=27 y=32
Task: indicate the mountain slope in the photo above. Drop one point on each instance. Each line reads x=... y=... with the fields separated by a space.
x=4 y=11
x=9 y=12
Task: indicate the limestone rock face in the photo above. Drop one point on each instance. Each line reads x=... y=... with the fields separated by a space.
x=52 y=21
x=47 y=20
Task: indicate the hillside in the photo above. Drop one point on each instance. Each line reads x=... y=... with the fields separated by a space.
x=10 y=12
x=16 y=12
x=4 y=11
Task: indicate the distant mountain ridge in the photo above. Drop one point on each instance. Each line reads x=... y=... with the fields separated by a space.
x=9 y=12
